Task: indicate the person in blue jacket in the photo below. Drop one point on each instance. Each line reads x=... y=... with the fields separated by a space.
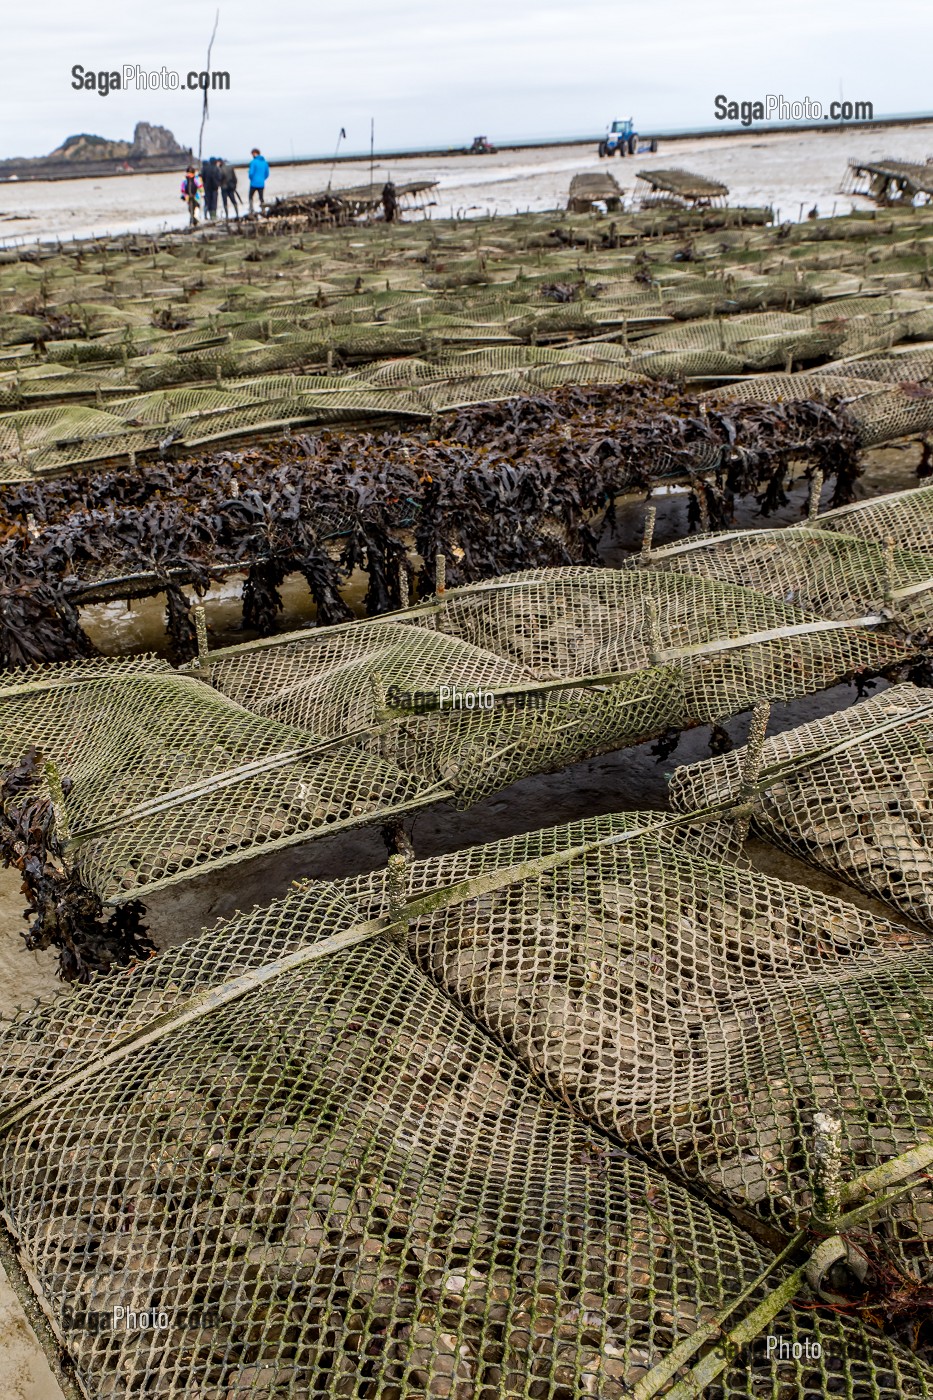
x=258 y=175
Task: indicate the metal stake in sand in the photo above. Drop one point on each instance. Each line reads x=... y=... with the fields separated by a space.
x=827 y=1167
x=440 y=588
x=751 y=764
x=703 y=503
x=57 y=797
x=377 y=686
x=651 y=515
x=816 y=486
x=387 y=735
x=397 y=893
x=200 y=627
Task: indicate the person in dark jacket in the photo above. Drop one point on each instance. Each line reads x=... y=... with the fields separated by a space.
x=258 y=175
x=389 y=202
x=210 y=180
x=228 y=194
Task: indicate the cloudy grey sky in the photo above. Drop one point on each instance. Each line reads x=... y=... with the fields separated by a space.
x=436 y=72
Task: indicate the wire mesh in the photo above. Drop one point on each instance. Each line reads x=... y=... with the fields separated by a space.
x=834 y=574
x=701 y=1013
x=168 y=779
x=849 y=794
x=323 y=1179
x=457 y=699
x=653 y=651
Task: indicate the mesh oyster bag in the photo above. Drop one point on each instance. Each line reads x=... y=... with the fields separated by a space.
x=169 y=776
x=166 y=778
x=880 y=409
x=572 y=662
x=850 y=794
x=905 y=516
x=702 y=1013
x=323 y=1180
x=834 y=574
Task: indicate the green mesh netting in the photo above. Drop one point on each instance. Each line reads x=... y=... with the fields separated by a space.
x=903 y=516
x=291 y=1145
x=835 y=574
x=849 y=793
x=457 y=698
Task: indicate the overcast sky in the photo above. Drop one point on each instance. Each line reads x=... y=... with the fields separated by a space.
x=437 y=72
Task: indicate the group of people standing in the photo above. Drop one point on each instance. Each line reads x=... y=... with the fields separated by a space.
x=218 y=177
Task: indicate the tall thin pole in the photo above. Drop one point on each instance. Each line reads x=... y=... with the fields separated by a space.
x=336 y=149
x=372 y=147
x=208 y=69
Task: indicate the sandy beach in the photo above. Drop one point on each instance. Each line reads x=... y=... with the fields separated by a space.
x=791 y=171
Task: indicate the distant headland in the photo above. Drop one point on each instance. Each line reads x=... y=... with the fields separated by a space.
x=152 y=148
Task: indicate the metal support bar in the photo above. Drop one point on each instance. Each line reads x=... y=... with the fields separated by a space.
x=57 y=796
x=200 y=627
x=651 y=515
x=827 y=1166
x=816 y=487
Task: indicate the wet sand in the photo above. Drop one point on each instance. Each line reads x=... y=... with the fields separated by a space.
x=790 y=171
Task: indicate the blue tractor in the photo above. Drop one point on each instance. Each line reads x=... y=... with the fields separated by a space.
x=621 y=138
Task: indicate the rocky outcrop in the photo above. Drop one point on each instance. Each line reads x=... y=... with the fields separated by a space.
x=152 y=148
x=155 y=141
x=87 y=147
